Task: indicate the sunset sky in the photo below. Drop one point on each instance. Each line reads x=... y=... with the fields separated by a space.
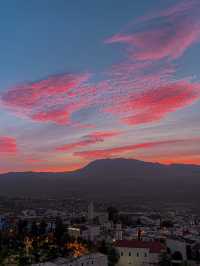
x=84 y=80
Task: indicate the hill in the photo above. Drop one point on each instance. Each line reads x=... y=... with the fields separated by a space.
x=115 y=179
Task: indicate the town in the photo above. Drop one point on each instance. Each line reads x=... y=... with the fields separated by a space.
x=99 y=133
x=96 y=234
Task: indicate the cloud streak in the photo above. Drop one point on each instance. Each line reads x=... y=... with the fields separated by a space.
x=142 y=87
x=169 y=34
x=166 y=42
x=120 y=151
x=8 y=145
x=93 y=138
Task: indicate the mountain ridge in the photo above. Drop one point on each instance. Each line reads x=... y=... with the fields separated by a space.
x=100 y=160
x=110 y=179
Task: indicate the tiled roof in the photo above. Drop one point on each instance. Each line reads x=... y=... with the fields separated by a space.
x=154 y=247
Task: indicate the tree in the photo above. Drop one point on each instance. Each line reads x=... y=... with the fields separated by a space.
x=113 y=214
x=42 y=227
x=113 y=256
x=177 y=255
x=23 y=260
x=22 y=227
x=167 y=223
x=59 y=230
x=165 y=260
x=34 y=229
x=111 y=253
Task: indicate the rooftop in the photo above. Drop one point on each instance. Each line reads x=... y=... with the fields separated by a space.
x=154 y=247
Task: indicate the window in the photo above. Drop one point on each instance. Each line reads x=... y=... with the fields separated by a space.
x=82 y=264
x=122 y=254
x=92 y=262
x=129 y=254
x=145 y=254
x=137 y=254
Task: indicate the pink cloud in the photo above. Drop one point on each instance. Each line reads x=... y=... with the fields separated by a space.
x=177 y=29
x=60 y=114
x=154 y=104
x=121 y=151
x=8 y=145
x=32 y=93
x=51 y=100
x=95 y=137
x=128 y=77
x=155 y=44
x=182 y=7
x=145 y=82
x=148 y=68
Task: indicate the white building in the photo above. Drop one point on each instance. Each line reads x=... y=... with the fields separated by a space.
x=138 y=253
x=93 y=259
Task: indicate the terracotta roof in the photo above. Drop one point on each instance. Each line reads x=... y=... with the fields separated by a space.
x=154 y=247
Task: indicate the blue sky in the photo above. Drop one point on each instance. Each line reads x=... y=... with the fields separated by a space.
x=116 y=61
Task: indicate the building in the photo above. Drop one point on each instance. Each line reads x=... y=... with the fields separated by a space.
x=138 y=253
x=3 y=223
x=91 y=212
x=88 y=232
x=93 y=259
x=91 y=232
x=74 y=232
x=102 y=217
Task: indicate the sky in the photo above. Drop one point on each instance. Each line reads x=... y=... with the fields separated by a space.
x=86 y=80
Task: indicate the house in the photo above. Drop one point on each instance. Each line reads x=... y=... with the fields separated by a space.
x=139 y=253
x=92 y=259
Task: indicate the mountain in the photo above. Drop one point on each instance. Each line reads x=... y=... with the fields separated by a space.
x=115 y=179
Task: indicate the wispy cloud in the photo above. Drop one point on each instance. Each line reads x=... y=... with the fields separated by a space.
x=166 y=34
x=8 y=145
x=141 y=87
x=93 y=138
x=122 y=150
x=146 y=85
x=170 y=41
